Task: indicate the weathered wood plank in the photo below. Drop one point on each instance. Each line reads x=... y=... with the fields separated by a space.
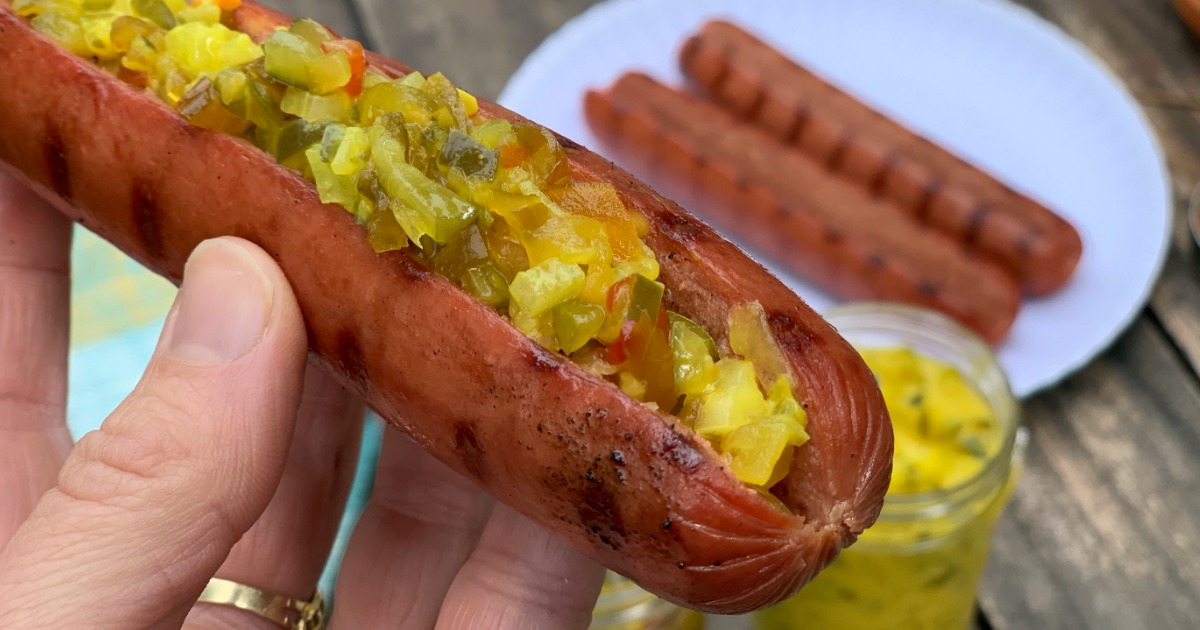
x=478 y=44
x=1102 y=532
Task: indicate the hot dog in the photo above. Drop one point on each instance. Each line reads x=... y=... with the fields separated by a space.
x=821 y=227
x=625 y=481
x=757 y=83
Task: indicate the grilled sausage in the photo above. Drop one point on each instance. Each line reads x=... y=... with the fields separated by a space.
x=629 y=485
x=821 y=227
x=761 y=85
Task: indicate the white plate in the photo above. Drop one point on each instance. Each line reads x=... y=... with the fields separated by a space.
x=985 y=78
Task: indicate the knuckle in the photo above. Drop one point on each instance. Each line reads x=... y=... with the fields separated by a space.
x=124 y=459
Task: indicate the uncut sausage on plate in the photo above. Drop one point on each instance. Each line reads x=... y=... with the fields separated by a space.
x=823 y=228
x=759 y=84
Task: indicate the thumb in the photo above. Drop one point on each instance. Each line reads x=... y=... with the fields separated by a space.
x=148 y=506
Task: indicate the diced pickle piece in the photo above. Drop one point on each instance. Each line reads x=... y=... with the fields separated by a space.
x=599 y=200
x=329 y=72
x=439 y=87
x=311 y=30
x=568 y=237
x=127 y=28
x=384 y=233
x=544 y=286
x=465 y=251
x=494 y=133
x=506 y=250
x=734 y=401
x=156 y=11
x=576 y=323
x=287 y=55
x=202 y=107
x=750 y=336
x=296 y=61
x=486 y=283
x=200 y=49
x=646 y=351
x=335 y=106
x=295 y=137
x=231 y=85
x=695 y=355
x=202 y=13
x=757 y=448
x=545 y=160
x=332 y=188
x=357 y=59
x=352 y=152
x=469 y=156
x=422 y=206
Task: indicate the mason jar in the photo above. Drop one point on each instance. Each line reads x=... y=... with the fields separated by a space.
x=919 y=566
x=625 y=606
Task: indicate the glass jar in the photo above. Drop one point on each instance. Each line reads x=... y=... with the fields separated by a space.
x=919 y=566
x=625 y=606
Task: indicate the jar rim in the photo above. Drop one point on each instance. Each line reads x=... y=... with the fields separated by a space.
x=917 y=322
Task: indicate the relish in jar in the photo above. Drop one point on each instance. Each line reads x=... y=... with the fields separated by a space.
x=958 y=450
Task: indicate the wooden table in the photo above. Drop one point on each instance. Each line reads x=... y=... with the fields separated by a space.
x=1104 y=531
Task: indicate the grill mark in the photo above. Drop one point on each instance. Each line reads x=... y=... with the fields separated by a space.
x=470 y=451
x=800 y=117
x=791 y=335
x=687 y=56
x=838 y=155
x=928 y=289
x=886 y=167
x=147 y=218
x=760 y=99
x=566 y=142
x=932 y=189
x=598 y=506
x=1025 y=243
x=721 y=77
x=975 y=224
x=348 y=354
x=57 y=167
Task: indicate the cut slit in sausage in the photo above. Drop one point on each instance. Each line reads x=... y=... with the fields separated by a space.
x=526 y=424
x=821 y=227
x=797 y=107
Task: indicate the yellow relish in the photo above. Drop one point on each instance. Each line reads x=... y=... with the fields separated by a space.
x=489 y=204
x=945 y=430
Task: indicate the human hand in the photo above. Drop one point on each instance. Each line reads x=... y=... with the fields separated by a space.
x=231 y=459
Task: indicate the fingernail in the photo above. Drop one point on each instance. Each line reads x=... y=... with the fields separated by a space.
x=223 y=304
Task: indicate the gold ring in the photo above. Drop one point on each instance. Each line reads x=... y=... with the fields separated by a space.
x=289 y=613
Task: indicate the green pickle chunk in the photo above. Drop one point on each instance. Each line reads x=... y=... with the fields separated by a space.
x=489 y=204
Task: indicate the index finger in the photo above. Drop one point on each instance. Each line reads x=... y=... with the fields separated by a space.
x=35 y=258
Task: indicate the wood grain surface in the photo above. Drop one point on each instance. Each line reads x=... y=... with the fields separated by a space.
x=1104 y=530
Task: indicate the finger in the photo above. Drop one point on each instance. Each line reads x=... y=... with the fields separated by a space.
x=147 y=507
x=417 y=530
x=520 y=576
x=35 y=260
x=286 y=549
